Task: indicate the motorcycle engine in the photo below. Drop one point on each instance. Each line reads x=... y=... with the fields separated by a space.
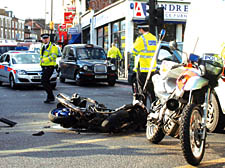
x=171 y=125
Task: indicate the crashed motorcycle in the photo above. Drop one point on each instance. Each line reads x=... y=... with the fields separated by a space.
x=183 y=94
x=85 y=113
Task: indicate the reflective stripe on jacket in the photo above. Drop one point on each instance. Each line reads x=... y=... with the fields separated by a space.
x=49 y=56
x=143 y=52
x=114 y=53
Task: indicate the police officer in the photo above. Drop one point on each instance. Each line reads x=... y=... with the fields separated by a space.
x=143 y=52
x=113 y=53
x=48 y=57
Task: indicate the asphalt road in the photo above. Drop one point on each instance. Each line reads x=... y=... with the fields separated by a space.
x=59 y=147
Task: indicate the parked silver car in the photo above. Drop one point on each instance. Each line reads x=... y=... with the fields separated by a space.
x=22 y=68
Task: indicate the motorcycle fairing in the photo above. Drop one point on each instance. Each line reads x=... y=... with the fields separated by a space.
x=195 y=83
x=190 y=79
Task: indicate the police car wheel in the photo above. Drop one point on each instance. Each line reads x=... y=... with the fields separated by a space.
x=12 y=82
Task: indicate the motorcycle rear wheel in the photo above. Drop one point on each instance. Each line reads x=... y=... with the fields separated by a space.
x=114 y=123
x=192 y=145
x=154 y=133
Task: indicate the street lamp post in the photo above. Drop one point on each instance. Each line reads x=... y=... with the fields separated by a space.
x=51 y=14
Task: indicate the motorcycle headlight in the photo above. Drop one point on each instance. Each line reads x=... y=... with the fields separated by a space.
x=21 y=72
x=113 y=67
x=85 y=67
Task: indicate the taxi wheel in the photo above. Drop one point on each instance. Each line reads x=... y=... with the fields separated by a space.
x=112 y=83
x=77 y=80
x=12 y=82
x=0 y=83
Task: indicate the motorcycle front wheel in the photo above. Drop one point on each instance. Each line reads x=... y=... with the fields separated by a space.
x=154 y=133
x=61 y=116
x=191 y=132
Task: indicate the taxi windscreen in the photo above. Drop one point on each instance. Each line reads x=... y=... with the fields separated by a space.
x=90 y=53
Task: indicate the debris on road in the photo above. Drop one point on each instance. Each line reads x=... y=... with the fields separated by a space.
x=39 y=133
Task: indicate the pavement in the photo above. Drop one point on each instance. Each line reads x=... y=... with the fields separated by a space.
x=122 y=81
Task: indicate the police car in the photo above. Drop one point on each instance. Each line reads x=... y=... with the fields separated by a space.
x=22 y=68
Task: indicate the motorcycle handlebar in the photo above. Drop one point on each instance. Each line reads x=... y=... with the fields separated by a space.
x=177 y=66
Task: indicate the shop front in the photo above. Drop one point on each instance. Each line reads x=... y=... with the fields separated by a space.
x=117 y=24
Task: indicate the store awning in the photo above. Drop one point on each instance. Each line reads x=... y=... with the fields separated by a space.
x=75 y=39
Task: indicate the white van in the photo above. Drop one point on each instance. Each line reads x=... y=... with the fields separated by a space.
x=205 y=33
x=36 y=47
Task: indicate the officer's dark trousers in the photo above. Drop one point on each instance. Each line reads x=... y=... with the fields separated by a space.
x=47 y=72
x=114 y=61
x=149 y=88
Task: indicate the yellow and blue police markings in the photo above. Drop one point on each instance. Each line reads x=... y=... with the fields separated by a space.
x=6 y=68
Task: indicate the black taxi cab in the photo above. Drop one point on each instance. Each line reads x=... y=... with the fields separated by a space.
x=86 y=63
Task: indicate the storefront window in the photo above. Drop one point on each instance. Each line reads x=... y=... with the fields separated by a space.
x=115 y=33
x=118 y=35
x=118 y=38
x=100 y=36
x=86 y=36
x=105 y=39
x=122 y=36
x=170 y=32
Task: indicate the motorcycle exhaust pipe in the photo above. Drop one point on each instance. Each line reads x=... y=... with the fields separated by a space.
x=172 y=104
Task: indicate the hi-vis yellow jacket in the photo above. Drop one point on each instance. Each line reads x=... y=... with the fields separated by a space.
x=114 y=52
x=49 y=56
x=143 y=52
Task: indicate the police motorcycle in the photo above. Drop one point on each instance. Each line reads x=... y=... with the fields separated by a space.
x=183 y=94
x=83 y=113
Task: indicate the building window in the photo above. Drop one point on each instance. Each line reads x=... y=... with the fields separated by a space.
x=105 y=39
x=100 y=36
x=86 y=35
x=118 y=35
x=171 y=32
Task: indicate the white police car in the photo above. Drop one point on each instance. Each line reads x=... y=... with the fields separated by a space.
x=22 y=68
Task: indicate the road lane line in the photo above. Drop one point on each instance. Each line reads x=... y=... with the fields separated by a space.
x=206 y=163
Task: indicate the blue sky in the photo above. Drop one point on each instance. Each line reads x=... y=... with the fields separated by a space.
x=33 y=9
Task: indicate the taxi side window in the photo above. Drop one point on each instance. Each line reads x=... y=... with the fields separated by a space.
x=64 y=52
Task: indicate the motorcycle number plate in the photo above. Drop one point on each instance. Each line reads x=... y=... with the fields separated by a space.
x=36 y=77
x=100 y=76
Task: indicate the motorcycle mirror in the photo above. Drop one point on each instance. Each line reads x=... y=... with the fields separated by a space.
x=162 y=34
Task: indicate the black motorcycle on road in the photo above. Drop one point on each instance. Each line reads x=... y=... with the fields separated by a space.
x=85 y=113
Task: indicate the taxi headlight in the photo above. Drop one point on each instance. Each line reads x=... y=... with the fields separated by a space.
x=21 y=72
x=85 y=67
x=113 y=67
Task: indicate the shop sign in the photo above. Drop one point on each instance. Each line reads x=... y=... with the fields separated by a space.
x=172 y=11
x=74 y=30
x=71 y=9
x=68 y=17
x=175 y=11
x=110 y=15
x=138 y=9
